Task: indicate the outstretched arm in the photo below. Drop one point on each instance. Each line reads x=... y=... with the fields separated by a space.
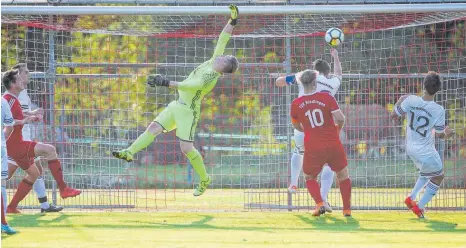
x=398 y=110
x=226 y=32
x=337 y=71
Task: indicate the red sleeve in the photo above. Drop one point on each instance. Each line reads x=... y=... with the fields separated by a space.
x=333 y=105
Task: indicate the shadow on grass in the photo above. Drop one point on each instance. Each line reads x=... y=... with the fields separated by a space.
x=325 y=223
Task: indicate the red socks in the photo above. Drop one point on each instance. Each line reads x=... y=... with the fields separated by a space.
x=57 y=173
x=345 y=190
x=314 y=190
x=23 y=189
x=3 y=214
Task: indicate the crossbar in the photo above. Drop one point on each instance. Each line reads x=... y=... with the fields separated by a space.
x=221 y=10
x=148 y=65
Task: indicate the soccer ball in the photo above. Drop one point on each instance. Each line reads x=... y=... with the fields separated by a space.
x=334 y=36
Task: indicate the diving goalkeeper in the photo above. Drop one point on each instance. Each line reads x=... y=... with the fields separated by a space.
x=184 y=113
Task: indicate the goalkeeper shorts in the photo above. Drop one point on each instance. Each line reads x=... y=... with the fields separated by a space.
x=179 y=116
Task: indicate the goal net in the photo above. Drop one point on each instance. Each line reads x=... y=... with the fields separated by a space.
x=89 y=71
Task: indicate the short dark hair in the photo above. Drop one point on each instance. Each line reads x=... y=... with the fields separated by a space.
x=432 y=82
x=19 y=66
x=232 y=65
x=321 y=66
x=9 y=77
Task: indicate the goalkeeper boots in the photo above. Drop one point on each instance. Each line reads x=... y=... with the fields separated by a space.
x=8 y=230
x=123 y=154
x=320 y=209
x=202 y=187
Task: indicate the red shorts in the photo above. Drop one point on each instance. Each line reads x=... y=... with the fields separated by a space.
x=316 y=157
x=22 y=153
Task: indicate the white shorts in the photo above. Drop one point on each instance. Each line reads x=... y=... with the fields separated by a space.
x=429 y=165
x=298 y=142
x=4 y=163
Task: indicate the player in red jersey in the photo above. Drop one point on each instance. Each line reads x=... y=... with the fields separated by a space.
x=24 y=152
x=315 y=114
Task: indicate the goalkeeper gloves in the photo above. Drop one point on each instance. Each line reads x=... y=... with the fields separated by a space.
x=157 y=80
x=234 y=14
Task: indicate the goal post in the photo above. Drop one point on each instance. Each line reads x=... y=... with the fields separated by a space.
x=88 y=66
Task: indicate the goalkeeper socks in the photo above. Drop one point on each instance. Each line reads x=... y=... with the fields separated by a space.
x=314 y=190
x=345 y=190
x=23 y=189
x=39 y=188
x=57 y=173
x=198 y=164
x=431 y=190
x=296 y=166
x=143 y=141
x=420 y=184
x=326 y=181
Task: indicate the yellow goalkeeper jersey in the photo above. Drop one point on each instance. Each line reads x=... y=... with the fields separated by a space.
x=203 y=79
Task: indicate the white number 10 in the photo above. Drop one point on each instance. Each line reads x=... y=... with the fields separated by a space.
x=313 y=118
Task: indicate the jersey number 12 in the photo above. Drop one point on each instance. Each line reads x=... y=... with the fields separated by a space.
x=313 y=119
x=419 y=128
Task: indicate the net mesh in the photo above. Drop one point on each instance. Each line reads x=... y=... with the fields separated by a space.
x=96 y=102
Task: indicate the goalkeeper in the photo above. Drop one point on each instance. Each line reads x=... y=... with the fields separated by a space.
x=184 y=113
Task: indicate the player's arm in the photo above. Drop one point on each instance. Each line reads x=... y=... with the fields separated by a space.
x=294 y=118
x=400 y=108
x=288 y=79
x=337 y=70
x=159 y=80
x=442 y=131
x=7 y=119
x=338 y=116
x=226 y=32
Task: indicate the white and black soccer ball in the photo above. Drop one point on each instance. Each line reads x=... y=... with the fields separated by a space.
x=334 y=36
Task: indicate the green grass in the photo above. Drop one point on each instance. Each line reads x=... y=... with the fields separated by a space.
x=238 y=229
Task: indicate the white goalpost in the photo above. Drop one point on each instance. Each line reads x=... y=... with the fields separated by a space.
x=89 y=63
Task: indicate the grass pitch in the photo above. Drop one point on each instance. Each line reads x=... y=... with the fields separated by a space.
x=237 y=229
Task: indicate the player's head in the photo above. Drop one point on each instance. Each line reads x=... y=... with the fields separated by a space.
x=11 y=81
x=23 y=72
x=432 y=83
x=321 y=66
x=308 y=78
x=226 y=64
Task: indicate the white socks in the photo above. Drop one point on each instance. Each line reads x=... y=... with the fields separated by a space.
x=296 y=166
x=39 y=188
x=420 y=184
x=326 y=181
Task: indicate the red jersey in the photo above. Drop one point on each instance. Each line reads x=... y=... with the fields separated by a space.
x=314 y=112
x=17 y=112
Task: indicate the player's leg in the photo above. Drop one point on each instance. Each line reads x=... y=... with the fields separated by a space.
x=39 y=188
x=25 y=186
x=50 y=153
x=296 y=161
x=12 y=167
x=326 y=181
x=186 y=123
x=5 y=227
x=421 y=182
x=163 y=123
x=312 y=166
x=431 y=167
x=338 y=163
